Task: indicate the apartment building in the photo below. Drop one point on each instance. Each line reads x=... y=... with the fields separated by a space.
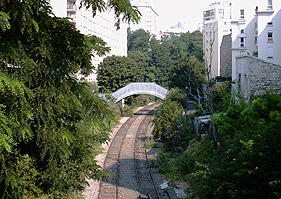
x=149 y=18
x=216 y=25
x=254 y=28
x=102 y=25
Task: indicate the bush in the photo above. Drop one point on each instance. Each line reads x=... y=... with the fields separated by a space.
x=166 y=115
x=177 y=137
x=245 y=162
x=178 y=95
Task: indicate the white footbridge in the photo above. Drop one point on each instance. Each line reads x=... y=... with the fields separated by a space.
x=140 y=88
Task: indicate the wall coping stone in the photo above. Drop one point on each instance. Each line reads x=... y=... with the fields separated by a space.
x=260 y=59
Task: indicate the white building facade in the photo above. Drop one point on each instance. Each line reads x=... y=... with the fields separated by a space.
x=102 y=25
x=215 y=26
x=255 y=28
x=149 y=18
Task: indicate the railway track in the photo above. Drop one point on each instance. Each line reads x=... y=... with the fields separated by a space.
x=127 y=161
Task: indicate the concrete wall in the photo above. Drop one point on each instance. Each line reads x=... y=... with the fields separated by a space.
x=255 y=76
x=226 y=56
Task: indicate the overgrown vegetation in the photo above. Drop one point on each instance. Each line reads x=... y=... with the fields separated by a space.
x=244 y=163
x=51 y=126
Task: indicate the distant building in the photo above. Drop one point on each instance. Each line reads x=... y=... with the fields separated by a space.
x=176 y=29
x=149 y=18
x=102 y=25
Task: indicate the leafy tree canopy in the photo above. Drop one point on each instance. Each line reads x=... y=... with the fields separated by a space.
x=116 y=72
x=188 y=74
x=51 y=126
x=164 y=54
x=138 y=40
x=245 y=163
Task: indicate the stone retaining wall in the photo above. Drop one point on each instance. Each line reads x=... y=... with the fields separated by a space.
x=254 y=76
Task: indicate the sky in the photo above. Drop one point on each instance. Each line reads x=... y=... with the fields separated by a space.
x=188 y=12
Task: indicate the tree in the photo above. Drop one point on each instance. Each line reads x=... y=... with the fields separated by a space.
x=51 y=125
x=188 y=74
x=143 y=61
x=138 y=40
x=165 y=116
x=161 y=60
x=162 y=55
x=116 y=72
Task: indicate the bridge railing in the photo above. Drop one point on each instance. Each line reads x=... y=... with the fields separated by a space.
x=140 y=88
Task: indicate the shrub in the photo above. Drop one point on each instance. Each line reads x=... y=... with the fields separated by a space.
x=167 y=113
x=178 y=95
x=177 y=137
x=245 y=162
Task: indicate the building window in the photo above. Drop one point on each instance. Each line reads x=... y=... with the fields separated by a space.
x=269 y=52
x=270 y=23
x=221 y=11
x=269 y=5
x=242 y=42
x=270 y=36
x=242 y=31
x=242 y=14
x=256 y=40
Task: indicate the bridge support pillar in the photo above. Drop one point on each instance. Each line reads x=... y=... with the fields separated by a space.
x=123 y=102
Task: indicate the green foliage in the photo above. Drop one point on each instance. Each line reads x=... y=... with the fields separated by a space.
x=143 y=61
x=51 y=126
x=165 y=116
x=177 y=137
x=4 y=21
x=157 y=58
x=185 y=44
x=138 y=41
x=133 y=102
x=116 y=72
x=245 y=162
x=222 y=96
x=167 y=166
x=188 y=74
x=178 y=95
x=150 y=143
x=15 y=113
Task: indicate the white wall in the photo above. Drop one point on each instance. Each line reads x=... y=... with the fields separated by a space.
x=101 y=25
x=59 y=7
x=265 y=16
x=220 y=26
